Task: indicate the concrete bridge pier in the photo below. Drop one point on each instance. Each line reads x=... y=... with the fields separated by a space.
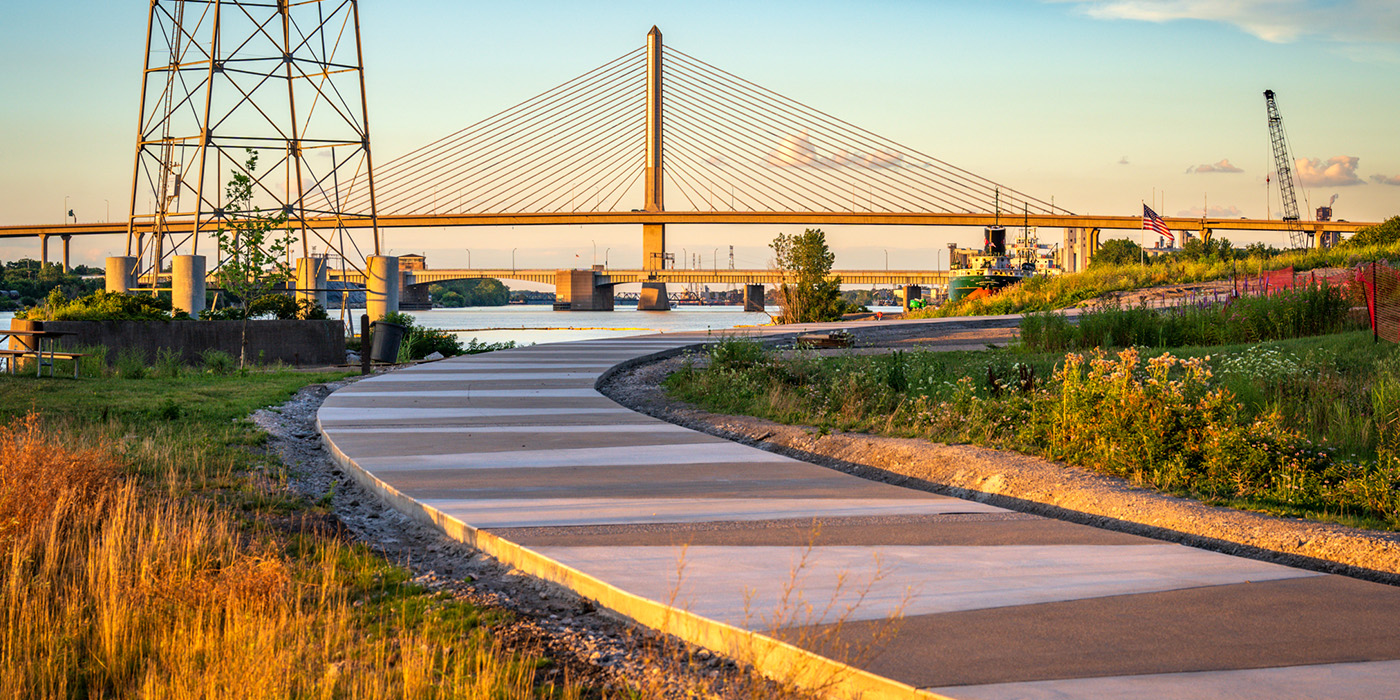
x=311 y=280
x=381 y=286
x=753 y=297
x=582 y=290
x=67 y=238
x=187 y=283
x=44 y=250
x=653 y=297
x=121 y=274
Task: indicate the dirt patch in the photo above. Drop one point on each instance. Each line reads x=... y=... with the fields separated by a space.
x=586 y=644
x=1032 y=485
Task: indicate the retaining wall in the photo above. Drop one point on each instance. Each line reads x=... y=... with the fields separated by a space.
x=292 y=342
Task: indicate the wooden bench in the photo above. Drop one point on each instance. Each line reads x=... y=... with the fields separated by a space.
x=12 y=355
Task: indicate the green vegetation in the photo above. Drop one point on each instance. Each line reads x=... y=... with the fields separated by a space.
x=32 y=281
x=1385 y=233
x=1065 y=291
x=806 y=294
x=1288 y=314
x=1306 y=427
x=455 y=294
x=99 y=306
x=420 y=342
x=151 y=549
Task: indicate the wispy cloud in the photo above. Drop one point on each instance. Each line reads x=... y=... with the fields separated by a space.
x=1337 y=171
x=1224 y=166
x=1230 y=212
x=1386 y=180
x=797 y=150
x=1279 y=21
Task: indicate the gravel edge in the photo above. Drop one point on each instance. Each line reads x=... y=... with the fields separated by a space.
x=588 y=644
x=1026 y=484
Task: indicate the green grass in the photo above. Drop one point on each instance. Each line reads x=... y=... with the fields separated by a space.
x=1307 y=426
x=230 y=574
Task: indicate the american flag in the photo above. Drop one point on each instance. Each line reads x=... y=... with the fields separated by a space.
x=1152 y=222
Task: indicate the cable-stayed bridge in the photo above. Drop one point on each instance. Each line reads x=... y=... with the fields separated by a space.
x=651 y=138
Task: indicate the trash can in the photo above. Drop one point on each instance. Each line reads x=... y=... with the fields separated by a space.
x=387 y=337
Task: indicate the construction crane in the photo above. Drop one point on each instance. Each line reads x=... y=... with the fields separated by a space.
x=1283 y=165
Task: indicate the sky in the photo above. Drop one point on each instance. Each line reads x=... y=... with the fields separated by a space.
x=1101 y=104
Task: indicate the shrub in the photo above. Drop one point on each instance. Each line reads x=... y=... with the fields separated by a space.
x=169 y=364
x=100 y=306
x=736 y=353
x=217 y=361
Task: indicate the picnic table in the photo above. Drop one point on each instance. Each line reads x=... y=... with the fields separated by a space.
x=41 y=338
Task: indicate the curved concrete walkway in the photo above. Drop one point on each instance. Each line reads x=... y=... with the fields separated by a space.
x=801 y=569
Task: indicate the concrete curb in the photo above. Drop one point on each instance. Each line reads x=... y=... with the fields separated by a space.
x=773 y=658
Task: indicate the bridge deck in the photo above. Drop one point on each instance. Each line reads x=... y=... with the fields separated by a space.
x=516 y=453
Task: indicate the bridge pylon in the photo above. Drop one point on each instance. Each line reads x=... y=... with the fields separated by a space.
x=653 y=296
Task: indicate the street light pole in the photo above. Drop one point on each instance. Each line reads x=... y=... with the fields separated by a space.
x=714 y=261
x=595 y=251
x=469 y=257
x=887 y=260
x=65 y=209
x=109 y=210
x=512 y=260
x=605 y=256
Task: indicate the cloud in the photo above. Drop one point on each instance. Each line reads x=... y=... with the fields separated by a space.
x=1224 y=166
x=1338 y=171
x=1383 y=180
x=1230 y=212
x=797 y=151
x=1278 y=21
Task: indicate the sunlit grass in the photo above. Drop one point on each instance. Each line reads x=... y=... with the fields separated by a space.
x=144 y=554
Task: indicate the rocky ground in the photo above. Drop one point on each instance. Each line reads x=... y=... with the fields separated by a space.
x=587 y=645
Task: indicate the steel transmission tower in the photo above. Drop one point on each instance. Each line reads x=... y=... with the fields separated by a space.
x=280 y=78
x=1297 y=237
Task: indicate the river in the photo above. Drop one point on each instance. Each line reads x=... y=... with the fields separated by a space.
x=540 y=323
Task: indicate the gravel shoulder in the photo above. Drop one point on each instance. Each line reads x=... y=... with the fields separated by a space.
x=586 y=644
x=1030 y=484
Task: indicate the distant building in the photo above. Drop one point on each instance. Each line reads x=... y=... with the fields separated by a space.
x=413 y=261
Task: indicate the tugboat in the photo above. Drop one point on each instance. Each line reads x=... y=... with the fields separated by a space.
x=989 y=269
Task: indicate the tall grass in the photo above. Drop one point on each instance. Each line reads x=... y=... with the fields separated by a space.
x=1065 y=291
x=112 y=590
x=1293 y=313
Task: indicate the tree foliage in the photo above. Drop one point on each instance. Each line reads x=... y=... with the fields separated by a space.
x=1117 y=251
x=1384 y=233
x=478 y=292
x=807 y=294
x=254 y=254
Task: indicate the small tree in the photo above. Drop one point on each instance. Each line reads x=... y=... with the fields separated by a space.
x=1117 y=251
x=254 y=256
x=806 y=294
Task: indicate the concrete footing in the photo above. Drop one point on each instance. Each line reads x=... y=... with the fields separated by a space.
x=381 y=286
x=187 y=283
x=121 y=274
x=753 y=297
x=311 y=280
x=582 y=290
x=653 y=297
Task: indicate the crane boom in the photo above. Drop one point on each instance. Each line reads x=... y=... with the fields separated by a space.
x=1283 y=165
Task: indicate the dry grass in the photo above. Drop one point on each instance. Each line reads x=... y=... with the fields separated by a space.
x=108 y=589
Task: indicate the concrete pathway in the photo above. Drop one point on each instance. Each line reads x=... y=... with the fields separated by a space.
x=516 y=453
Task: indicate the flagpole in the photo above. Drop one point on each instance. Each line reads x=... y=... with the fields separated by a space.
x=1142 y=232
